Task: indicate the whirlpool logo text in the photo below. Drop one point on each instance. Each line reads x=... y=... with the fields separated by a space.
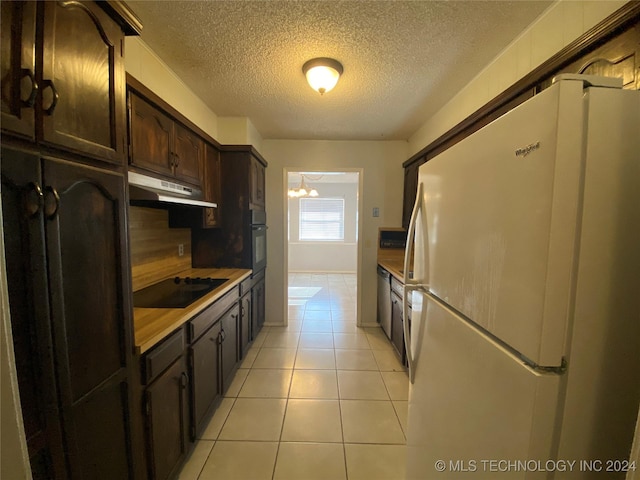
x=523 y=152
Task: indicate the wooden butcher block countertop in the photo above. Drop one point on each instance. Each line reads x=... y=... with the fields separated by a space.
x=152 y=325
x=392 y=260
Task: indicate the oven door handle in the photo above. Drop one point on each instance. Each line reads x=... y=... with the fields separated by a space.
x=259 y=227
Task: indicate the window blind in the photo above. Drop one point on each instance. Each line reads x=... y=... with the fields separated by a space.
x=321 y=219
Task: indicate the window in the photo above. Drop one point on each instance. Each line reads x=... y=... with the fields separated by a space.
x=321 y=219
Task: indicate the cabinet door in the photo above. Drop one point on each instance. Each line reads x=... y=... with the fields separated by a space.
x=397 y=332
x=257 y=192
x=229 y=336
x=151 y=134
x=257 y=307
x=89 y=287
x=167 y=421
x=245 y=324
x=212 y=187
x=83 y=86
x=28 y=302
x=410 y=191
x=205 y=385
x=188 y=151
x=17 y=67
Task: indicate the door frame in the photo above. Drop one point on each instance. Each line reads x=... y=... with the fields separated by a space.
x=359 y=229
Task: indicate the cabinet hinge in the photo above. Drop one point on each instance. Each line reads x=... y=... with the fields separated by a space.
x=147 y=406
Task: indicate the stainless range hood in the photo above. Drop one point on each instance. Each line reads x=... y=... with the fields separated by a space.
x=144 y=189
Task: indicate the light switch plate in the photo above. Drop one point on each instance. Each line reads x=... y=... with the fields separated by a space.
x=376 y=212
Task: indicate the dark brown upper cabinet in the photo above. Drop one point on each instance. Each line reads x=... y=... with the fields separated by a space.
x=410 y=190
x=212 y=187
x=64 y=88
x=257 y=187
x=188 y=155
x=242 y=170
x=161 y=145
x=18 y=68
x=150 y=137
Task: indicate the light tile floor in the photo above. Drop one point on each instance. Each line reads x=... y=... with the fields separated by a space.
x=318 y=399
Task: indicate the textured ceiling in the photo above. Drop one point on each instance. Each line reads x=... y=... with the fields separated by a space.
x=402 y=60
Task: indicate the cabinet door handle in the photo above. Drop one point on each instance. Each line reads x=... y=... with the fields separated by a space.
x=184 y=380
x=50 y=210
x=31 y=100
x=33 y=199
x=177 y=159
x=223 y=335
x=56 y=97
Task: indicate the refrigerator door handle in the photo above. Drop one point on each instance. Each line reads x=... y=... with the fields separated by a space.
x=416 y=283
x=417 y=207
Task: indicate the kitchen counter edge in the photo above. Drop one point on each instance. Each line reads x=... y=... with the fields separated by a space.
x=392 y=260
x=152 y=325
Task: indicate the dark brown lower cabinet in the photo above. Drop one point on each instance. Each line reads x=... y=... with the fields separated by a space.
x=257 y=304
x=397 y=327
x=32 y=340
x=65 y=237
x=205 y=382
x=229 y=344
x=245 y=324
x=167 y=408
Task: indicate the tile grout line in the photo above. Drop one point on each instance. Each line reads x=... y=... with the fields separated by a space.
x=286 y=406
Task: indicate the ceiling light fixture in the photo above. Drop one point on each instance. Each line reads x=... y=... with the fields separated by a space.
x=322 y=73
x=302 y=190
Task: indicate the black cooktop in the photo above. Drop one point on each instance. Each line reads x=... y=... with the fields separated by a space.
x=175 y=292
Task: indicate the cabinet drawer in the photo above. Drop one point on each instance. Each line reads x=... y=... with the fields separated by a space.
x=397 y=287
x=199 y=324
x=163 y=355
x=256 y=277
x=245 y=286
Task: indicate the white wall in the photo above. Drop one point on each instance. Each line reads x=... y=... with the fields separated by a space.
x=330 y=256
x=382 y=177
x=238 y=131
x=148 y=68
x=558 y=26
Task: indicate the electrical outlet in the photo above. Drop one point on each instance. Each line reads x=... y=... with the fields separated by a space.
x=376 y=212
x=180 y=249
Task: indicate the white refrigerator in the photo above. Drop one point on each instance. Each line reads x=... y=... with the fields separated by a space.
x=524 y=339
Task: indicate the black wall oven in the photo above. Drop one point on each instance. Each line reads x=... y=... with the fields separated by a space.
x=258 y=240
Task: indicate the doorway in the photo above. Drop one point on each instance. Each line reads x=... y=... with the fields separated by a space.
x=322 y=246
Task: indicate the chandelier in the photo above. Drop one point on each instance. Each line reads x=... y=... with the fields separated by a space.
x=302 y=190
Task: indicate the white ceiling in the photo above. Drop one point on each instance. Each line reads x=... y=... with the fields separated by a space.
x=402 y=60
